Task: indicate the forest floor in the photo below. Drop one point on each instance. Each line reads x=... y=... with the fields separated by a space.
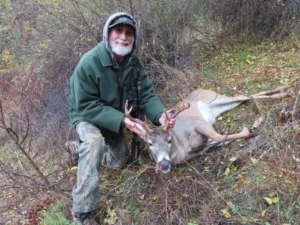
x=254 y=181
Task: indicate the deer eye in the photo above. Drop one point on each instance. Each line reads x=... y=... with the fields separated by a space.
x=150 y=144
x=170 y=141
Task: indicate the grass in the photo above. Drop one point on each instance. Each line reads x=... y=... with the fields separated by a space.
x=54 y=216
x=260 y=188
x=264 y=190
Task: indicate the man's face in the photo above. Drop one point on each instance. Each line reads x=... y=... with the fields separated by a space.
x=121 y=38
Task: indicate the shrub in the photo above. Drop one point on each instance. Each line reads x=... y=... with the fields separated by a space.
x=256 y=19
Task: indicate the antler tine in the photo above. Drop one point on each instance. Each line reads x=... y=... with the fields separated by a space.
x=180 y=109
x=183 y=107
x=143 y=124
x=128 y=111
x=166 y=127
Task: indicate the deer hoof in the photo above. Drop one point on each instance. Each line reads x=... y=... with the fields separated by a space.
x=253 y=132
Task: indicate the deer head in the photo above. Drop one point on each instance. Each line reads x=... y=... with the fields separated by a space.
x=158 y=140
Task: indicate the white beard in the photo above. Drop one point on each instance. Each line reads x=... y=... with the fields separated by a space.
x=121 y=50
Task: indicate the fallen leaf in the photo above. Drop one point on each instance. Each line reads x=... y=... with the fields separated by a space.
x=275 y=200
x=185 y=195
x=254 y=161
x=233 y=159
x=227 y=171
x=296 y=159
x=268 y=200
x=179 y=200
x=73 y=168
x=226 y=213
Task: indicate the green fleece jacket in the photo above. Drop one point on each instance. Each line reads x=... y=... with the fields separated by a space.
x=96 y=87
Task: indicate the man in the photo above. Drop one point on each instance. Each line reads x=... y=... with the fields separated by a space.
x=105 y=77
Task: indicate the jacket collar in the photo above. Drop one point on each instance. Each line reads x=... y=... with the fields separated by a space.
x=104 y=56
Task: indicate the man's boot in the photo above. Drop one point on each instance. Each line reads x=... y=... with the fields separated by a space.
x=72 y=147
x=84 y=218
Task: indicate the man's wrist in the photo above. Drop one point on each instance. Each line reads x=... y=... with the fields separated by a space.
x=123 y=122
x=156 y=119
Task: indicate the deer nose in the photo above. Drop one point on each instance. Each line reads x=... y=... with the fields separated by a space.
x=165 y=166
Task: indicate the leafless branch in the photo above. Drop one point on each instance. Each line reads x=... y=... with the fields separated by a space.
x=86 y=23
x=15 y=137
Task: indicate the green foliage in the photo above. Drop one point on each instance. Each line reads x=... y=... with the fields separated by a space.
x=193 y=223
x=54 y=216
x=250 y=69
x=128 y=215
x=251 y=66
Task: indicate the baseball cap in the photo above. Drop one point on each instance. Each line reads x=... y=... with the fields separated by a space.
x=122 y=20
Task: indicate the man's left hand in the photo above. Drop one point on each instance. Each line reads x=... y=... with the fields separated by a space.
x=163 y=118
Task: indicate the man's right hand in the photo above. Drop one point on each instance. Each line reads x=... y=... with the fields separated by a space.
x=133 y=127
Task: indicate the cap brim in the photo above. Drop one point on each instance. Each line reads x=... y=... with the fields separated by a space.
x=123 y=20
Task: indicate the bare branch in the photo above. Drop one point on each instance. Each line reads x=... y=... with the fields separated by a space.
x=15 y=137
x=86 y=23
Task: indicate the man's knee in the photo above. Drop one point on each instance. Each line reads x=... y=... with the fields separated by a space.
x=93 y=146
x=88 y=131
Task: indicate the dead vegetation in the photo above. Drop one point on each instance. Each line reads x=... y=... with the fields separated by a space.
x=253 y=181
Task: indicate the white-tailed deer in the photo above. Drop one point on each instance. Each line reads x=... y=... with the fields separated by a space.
x=193 y=132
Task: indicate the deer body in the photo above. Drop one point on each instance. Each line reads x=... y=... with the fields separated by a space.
x=193 y=132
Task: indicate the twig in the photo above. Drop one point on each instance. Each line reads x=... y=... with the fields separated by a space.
x=260 y=119
x=27 y=128
x=15 y=138
x=209 y=184
x=15 y=174
x=56 y=17
x=296 y=101
x=86 y=23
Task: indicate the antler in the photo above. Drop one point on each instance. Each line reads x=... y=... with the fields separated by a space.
x=143 y=124
x=179 y=110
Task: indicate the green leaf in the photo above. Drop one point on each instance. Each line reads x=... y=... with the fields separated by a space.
x=185 y=195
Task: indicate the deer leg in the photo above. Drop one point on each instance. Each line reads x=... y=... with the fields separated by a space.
x=222 y=105
x=276 y=90
x=207 y=130
x=266 y=95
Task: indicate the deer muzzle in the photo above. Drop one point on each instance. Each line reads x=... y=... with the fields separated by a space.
x=164 y=166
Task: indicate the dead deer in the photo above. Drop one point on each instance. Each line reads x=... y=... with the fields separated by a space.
x=193 y=132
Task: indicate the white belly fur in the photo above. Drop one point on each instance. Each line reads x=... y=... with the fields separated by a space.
x=206 y=112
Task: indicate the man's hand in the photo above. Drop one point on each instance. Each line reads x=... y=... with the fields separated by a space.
x=163 y=118
x=134 y=127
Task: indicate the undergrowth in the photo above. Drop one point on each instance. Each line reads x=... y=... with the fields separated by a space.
x=259 y=187
x=54 y=216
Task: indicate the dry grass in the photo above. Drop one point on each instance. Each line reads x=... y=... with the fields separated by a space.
x=259 y=187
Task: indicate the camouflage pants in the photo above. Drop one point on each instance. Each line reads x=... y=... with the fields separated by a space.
x=94 y=151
